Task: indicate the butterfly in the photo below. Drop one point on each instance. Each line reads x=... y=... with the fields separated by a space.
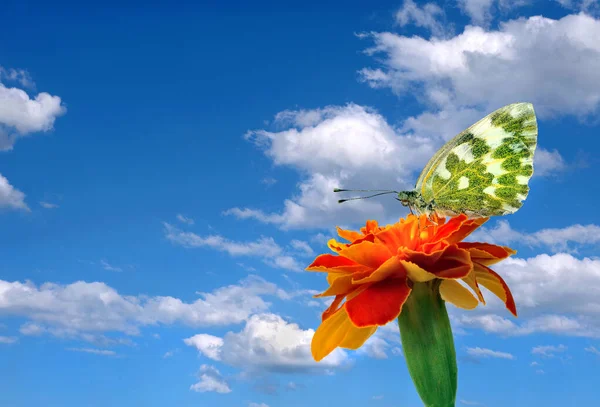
x=483 y=171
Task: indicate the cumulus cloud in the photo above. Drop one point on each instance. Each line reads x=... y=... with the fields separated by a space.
x=10 y=197
x=267 y=343
x=264 y=247
x=555 y=239
x=84 y=310
x=554 y=294
x=593 y=350
x=210 y=381
x=20 y=115
x=471 y=69
x=488 y=353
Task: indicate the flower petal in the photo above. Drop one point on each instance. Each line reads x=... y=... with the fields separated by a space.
x=371 y=227
x=493 y=282
x=340 y=285
x=485 y=253
x=392 y=267
x=416 y=273
x=335 y=264
x=367 y=253
x=349 y=235
x=471 y=281
x=454 y=263
x=333 y=308
x=458 y=228
x=356 y=337
x=452 y=291
x=379 y=304
x=330 y=334
x=402 y=234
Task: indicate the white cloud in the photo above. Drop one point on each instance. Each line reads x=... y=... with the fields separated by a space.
x=84 y=309
x=108 y=267
x=426 y=17
x=540 y=371
x=554 y=294
x=478 y=10
x=534 y=363
x=348 y=147
x=548 y=162
x=488 y=353
x=555 y=239
x=579 y=5
x=549 y=350
x=10 y=197
x=471 y=69
x=20 y=76
x=104 y=352
x=264 y=247
x=48 y=205
x=378 y=397
x=593 y=349
x=8 y=339
x=302 y=246
x=470 y=403
x=210 y=381
x=258 y=405
x=267 y=343
x=20 y=115
x=185 y=219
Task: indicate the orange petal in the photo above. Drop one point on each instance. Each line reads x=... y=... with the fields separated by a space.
x=349 y=235
x=379 y=304
x=421 y=258
x=391 y=268
x=335 y=264
x=416 y=273
x=335 y=305
x=486 y=253
x=401 y=234
x=454 y=263
x=371 y=227
x=493 y=282
x=339 y=285
x=330 y=334
x=458 y=228
x=453 y=292
x=367 y=253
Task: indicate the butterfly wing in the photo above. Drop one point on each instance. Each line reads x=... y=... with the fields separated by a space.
x=485 y=170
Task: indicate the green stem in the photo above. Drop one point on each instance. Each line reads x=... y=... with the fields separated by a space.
x=428 y=345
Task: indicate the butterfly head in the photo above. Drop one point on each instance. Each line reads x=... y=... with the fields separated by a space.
x=407 y=198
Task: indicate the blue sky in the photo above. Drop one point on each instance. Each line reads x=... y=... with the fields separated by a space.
x=166 y=175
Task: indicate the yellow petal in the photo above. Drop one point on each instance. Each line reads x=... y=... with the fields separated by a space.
x=452 y=291
x=416 y=273
x=330 y=334
x=356 y=337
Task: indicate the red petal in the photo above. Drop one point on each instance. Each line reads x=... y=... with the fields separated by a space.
x=454 y=263
x=378 y=304
x=335 y=264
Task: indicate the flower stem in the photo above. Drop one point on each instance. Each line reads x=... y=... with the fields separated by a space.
x=428 y=345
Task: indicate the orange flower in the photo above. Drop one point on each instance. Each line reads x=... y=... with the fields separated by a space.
x=375 y=272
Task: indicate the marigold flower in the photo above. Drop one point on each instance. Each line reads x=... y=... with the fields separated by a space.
x=377 y=270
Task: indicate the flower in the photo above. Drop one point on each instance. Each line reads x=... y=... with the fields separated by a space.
x=376 y=271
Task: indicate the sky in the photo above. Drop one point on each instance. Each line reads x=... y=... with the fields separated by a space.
x=167 y=173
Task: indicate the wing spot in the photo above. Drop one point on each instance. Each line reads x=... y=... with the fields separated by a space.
x=463 y=182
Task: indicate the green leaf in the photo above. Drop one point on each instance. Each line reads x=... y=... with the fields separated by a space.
x=428 y=345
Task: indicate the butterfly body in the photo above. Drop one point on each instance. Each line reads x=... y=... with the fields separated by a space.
x=483 y=171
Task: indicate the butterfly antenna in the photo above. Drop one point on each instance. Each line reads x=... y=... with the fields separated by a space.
x=366 y=197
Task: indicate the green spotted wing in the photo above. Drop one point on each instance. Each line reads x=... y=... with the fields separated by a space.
x=485 y=170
